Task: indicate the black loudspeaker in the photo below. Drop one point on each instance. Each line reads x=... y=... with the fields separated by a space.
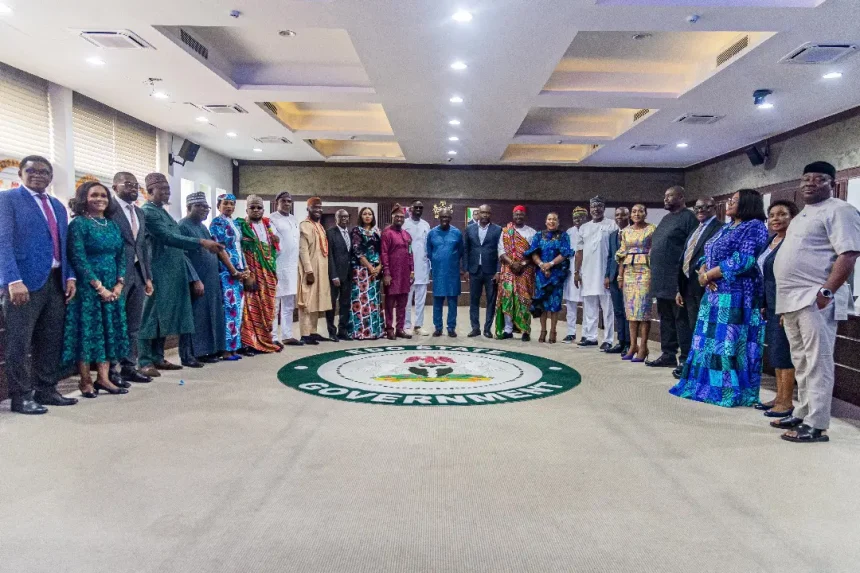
x=756 y=156
x=188 y=151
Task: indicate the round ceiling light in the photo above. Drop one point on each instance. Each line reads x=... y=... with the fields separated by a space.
x=832 y=76
x=231 y=134
x=462 y=16
x=453 y=138
x=456 y=99
x=452 y=152
x=4 y=9
x=203 y=119
x=95 y=61
x=682 y=145
x=458 y=65
x=258 y=150
x=160 y=95
x=454 y=122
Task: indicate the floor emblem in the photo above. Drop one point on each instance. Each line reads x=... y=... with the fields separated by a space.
x=429 y=376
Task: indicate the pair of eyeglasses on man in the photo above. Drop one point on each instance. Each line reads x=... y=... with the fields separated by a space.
x=34 y=171
x=700 y=208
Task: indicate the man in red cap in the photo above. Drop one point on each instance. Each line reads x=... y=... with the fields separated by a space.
x=516 y=278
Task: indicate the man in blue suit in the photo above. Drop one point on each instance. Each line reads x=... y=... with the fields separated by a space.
x=36 y=283
x=622 y=219
x=481 y=261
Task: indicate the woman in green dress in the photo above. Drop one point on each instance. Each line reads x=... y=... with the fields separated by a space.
x=96 y=329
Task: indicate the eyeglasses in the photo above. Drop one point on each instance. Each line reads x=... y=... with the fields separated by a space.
x=700 y=208
x=34 y=171
x=732 y=201
x=131 y=185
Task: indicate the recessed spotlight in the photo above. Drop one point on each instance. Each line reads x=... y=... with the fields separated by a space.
x=456 y=99
x=4 y=9
x=765 y=105
x=832 y=76
x=95 y=61
x=458 y=65
x=258 y=150
x=287 y=33
x=641 y=36
x=760 y=99
x=462 y=16
x=454 y=122
x=203 y=119
x=682 y=145
x=453 y=138
x=452 y=152
x=160 y=95
x=231 y=134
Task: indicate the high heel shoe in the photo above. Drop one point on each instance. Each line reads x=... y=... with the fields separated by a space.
x=552 y=337
x=87 y=390
x=99 y=386
x=637 y=359
x=542 y=337
x=628 y=356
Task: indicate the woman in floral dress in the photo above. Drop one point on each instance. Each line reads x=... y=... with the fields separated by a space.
x=550 y=251
x=365 y=321
x=635 y=280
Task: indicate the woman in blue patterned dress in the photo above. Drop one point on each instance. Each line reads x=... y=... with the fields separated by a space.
x=96 y=329
x=550 y=251
x=365 y=319
x=724 y=364
x=233 y=271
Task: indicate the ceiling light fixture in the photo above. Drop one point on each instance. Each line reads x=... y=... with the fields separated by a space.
x=682 y=145
x=458 y=65
x=452 y=152
x=258 y=150
x=642 y=36
x=832 y=76
x=203 y=119
x=95 y=61
x=231 y=134
x=287 y=33
x=462 y=16
x=160 y=95
x=453 y=138
x=4 y=9
x=454 y=122
x=456 y=99
x=760 y=99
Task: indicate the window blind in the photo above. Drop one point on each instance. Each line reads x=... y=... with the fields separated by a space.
x=107 y=141
x=25 y=120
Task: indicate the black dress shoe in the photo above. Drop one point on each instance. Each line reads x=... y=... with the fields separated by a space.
x=192 y=363
x=525 y=337
x=135 y=376
x=452 y=333
x=586 y=342
x=617 y=349
x=677 y=372
x=292 y=342
x=344 y=336
x=28 y=406
x=309 y=340
x=437 y=333
x=209 y=359
x=605 y=346
x=318 y=337
x=475 y=332
x=506 y=335
x=165 y=365
x=664 y=361
x=53 y=398
x=333 y=338
x=488 y=334
x=118 y=380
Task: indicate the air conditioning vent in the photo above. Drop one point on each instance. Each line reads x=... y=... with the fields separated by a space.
x=271 y=107
x=115 y=39
x=640 y=114
x=274 y=139
x=189 y=41
x=647 y=147
x=733 y=50
x=223 y=108
x=698 y=119
x=817 y=54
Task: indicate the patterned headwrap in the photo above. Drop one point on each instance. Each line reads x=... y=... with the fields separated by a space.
x=196 y=198
x=253 y=200
x=580 y=211
x=397 y=209
x=519 y=208
x=154 y=178
x=597 y=200
x=226 y=197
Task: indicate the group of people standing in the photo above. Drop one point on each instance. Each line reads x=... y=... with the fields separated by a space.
x=107 y=288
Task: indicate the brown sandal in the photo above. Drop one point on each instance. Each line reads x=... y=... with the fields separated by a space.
x=552 y=337
x=542 y=336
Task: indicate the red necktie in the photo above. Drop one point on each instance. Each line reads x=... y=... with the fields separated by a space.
x=52 y=225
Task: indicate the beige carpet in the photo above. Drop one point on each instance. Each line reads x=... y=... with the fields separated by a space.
x=233 y=471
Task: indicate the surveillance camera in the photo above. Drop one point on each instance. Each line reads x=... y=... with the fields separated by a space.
x=693 y=18
x=450 y=160
x=235 y=163
x=235 y=13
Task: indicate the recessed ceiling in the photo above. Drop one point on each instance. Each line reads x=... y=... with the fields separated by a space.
x=363 y=76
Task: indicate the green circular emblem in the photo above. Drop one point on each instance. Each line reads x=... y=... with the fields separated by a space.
x=428 y=375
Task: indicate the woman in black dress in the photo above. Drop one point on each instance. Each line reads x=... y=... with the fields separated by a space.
x=780 y=214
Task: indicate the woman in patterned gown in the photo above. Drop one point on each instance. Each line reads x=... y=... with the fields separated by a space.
x=550 y=251
x=724 y=364
x=224 y=230
x=96 y=329
x=365 y=321
x=635 y=280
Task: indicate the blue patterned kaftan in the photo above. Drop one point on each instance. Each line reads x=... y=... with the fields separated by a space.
x=549 y=290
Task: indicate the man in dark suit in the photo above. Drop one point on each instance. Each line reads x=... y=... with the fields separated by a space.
x=36 y=283
x=481 y=261
x=622 y=219
x=340 y=244
x=138 y=269
x=689 y=291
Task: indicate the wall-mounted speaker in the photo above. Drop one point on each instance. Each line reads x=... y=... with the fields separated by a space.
x=188 y=151
x=758 y=154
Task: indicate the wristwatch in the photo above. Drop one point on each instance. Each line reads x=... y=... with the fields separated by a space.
x=825 y=292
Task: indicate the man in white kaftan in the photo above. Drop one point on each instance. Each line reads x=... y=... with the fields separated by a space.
x=286 y=227
x=592 y=251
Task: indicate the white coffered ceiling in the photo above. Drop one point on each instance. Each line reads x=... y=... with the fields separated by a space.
x=547 y=81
